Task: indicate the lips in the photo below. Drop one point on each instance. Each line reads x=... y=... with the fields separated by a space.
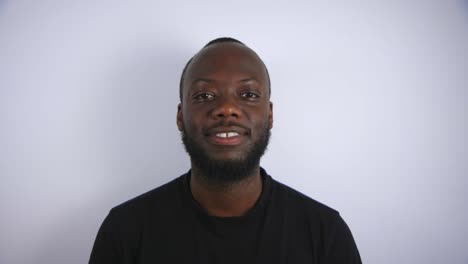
x=227 y=136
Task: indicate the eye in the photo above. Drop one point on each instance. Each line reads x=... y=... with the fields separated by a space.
x=250 y=95
x=203 y=97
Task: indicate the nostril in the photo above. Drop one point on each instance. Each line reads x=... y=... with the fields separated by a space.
x=227 y=111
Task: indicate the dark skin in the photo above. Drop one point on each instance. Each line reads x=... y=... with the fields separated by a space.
x=225 y=89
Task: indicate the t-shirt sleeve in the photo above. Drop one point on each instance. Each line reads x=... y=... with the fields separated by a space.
x=341 y=247
x=107 y=246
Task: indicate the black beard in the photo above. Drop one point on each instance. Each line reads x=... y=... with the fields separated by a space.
x=226 y=172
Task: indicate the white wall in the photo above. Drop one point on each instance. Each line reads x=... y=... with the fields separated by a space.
x=370 y=102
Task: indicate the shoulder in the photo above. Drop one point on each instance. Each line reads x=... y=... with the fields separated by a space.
x=323 y=224
x=160 y=199
x=297 y=201
x=305 y=212
x=122 y=230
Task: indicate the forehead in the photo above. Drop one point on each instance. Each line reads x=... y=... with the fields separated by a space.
x=226 y=61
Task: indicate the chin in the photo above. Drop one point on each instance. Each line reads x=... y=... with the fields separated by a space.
x=225 y=165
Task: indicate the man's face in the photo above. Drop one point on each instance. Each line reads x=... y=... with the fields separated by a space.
x=225 y=115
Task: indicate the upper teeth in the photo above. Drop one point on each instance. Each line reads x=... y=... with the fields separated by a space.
x=227 y=134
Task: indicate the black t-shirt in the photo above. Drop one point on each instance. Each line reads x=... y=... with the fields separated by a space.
x=166 y=225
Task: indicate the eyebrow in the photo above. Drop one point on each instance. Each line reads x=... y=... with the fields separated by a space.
x=207 y=80
x=251 y=79
x=197 y=80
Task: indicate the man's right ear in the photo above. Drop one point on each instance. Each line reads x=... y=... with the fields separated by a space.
x=180 y=123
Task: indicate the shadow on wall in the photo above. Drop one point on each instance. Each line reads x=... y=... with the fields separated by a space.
x=69 y=237
x=3 y=6
x=134 y=124
x=464 y=3
x=141 y=134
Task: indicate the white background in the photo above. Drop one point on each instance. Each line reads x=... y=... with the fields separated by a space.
x=370 y=115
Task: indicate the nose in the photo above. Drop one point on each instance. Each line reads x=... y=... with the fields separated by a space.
x=226 y=108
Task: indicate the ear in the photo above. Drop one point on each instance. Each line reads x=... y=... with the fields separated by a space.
x=180 y=123
x=270 y=115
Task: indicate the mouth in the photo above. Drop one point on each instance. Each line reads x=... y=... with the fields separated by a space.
x=226 y=137
x=227 y=134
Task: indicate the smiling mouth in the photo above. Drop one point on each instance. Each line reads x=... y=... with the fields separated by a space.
x=228 y=138
x=227 y=134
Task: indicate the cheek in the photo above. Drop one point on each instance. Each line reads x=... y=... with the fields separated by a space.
x=261 y=122
x=191 y=124
x=263 y=114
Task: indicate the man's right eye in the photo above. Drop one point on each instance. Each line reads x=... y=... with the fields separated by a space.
x=203 y=96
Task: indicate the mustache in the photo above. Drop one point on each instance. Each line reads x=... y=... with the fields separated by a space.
x=223 y=123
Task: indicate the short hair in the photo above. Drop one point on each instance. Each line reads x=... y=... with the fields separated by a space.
x=215 y=41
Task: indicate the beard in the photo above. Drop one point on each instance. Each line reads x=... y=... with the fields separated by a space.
x=225 y=172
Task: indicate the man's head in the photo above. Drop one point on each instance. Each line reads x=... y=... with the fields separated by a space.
x=216 y=41
x=225 y=114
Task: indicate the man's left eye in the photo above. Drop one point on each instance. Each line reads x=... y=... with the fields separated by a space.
x=250 y=95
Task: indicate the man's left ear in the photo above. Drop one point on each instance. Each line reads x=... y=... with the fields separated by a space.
x=270 y=115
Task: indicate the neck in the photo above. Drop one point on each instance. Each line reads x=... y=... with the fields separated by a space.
x=226 y=199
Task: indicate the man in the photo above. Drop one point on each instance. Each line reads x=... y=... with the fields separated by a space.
x=226 y=209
